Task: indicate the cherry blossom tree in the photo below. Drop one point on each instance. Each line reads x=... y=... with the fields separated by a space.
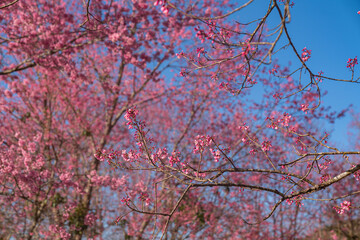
x=137 y=120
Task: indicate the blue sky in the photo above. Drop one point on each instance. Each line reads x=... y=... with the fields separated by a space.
x=331 y=29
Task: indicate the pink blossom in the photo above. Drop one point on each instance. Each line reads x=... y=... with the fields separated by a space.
x=180 y=55
x=165 y=9
x=277 y=96
x=145 y=197
x=253 y=151
x=344 y=206
x=32 y=147
x=114 y=37
x=200 y=51
x=200 y=34
x=324 y=178
x=266 y=145
x=304 y=107
x=8 y=94
x=202 y=141
x=174 y=158
x=285 y=120
x=66 y=176
x=130 y=116
x=306 y=54
x=326 y=164
x=90 y=219
x=161 y=155
x=296 y=199
x=244 y=127
x=216 y=154
x=184 y=167
x=61 y=231
x=274 y=69
x=125 y=200
x=159 y=2
x=352 y=62
x=199 y=175
x=183 y=73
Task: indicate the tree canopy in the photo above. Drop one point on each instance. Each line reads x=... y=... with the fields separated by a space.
x=168 y=120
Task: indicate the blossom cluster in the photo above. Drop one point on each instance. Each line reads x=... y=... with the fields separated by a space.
x=200 y=51
x=174 y=158
x=216 y=154
x=324 y=178
x=344 y=206
x=351 y=62
x=60 y=231
x=266 y=145
x=162 y=3
x=306 y=54
x=202 y=141
x=283 y=120
x=296 y=199
x=326 y=164
x=130 y=116
x=304 y=108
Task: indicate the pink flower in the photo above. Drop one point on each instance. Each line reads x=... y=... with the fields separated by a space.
x=180 y=55
x=125 y=200
x=216 y=154
x=202 y=141
x=130 y=116
x=357 y=175
x=285 y=120
x=304 y=107
x=114 y=37
x=253 y=151
x=90 y=219
x=174 y=158
x=200 y=34
x=183 y=73
x=165 y=10
x=66 y=176
x=352 y=62
x=8 y=94
x=145 y=197
x=277 y=96
x=130 y=156
x=266 y=145
x=158 y=2
x=200 y=51
x=184 y=166
x=344 y=206
x=326 y=164
x=306 y=54
x=199 y=175
x=223 y=85
x=324 y=178
x=32 y=147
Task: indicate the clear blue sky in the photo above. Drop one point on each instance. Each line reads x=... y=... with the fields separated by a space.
x=331 y=29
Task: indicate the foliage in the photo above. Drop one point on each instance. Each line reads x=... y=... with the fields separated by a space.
x=167 y=120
